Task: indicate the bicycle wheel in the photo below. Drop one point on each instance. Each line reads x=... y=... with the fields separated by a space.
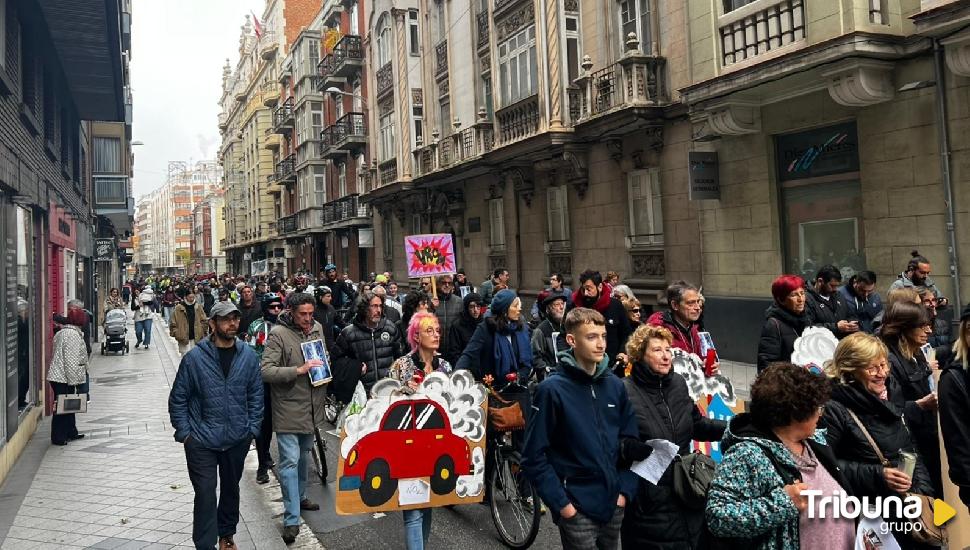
x=319 y=453
x=514 y=502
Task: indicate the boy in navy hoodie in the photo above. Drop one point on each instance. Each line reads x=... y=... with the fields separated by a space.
x=579 y=415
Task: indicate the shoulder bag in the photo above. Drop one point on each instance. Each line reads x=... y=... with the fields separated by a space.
x=930 y=533
x=70 y=403
x=693 y=474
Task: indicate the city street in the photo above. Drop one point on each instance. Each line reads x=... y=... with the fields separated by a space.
x=125 y=485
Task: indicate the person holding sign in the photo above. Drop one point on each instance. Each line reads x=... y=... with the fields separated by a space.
x=686 y=305
x=664 y=411
x=298 y=403
x=424 y=338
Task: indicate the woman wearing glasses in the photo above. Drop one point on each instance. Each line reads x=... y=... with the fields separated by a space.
x=861 y=403
x=906 y=330
x=784 y=321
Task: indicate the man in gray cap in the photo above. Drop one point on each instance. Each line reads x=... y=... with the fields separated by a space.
x=216 y=408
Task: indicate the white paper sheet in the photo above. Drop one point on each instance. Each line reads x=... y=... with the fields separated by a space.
x=657 y=463
x=413 y=491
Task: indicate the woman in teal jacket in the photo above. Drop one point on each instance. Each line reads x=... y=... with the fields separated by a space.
x=770 y=455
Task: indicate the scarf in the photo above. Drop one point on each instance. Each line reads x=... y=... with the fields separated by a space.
x=512 y=348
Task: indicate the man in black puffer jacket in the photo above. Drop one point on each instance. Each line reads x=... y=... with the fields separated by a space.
x=826 y=307
x=365 y=349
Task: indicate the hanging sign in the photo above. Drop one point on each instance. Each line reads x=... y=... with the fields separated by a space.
x=104 y=250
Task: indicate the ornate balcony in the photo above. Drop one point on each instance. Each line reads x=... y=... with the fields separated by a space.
x=385 y=79
x=759 y=27
x=326 y=75
x=637 y=80
x=286 y=169
x=288 y=224
x=348 y=56
x=519 y=120
x=268 y=45
x=283 y=116
x=464 y=146
x=388 y=171
x=345 y=212
x=349 y=133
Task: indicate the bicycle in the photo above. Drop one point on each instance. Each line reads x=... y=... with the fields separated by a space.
x=514 y=502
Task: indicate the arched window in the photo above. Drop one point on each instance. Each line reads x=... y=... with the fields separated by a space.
x=383 y=40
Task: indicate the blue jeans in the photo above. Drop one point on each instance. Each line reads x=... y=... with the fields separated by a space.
x=294 y=450
x=417 y=528
x=143 y=332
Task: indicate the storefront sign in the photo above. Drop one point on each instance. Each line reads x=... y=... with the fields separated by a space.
x=61 y=227
x=104 y=250
x=702 y=170
x=820 y=152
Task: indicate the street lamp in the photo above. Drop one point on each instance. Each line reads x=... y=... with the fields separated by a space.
x=338 y=91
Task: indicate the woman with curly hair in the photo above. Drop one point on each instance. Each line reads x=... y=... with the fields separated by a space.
x=664 y=410
x=784 y=321
x=861 y=400
x=424 y=338
x=770 y=455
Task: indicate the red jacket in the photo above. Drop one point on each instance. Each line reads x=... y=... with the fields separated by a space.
x=665 y=319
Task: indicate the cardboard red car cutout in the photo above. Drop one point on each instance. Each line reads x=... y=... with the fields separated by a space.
x=414 y=440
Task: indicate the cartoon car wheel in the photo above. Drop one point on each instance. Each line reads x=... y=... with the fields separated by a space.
x=444 y=478
x=377 y=487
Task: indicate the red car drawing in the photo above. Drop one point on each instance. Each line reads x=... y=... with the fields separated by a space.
x=414 y=441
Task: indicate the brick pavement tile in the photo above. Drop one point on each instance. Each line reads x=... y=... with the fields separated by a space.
x=174 y=539
x=18 y=544
x=133 y=545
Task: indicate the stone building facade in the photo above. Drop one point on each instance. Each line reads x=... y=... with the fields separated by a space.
x=826 y=121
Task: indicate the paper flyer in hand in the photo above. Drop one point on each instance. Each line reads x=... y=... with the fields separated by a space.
x=654 y=466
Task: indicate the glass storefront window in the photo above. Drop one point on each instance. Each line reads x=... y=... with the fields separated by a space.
x=26 y=393
x=821 y=200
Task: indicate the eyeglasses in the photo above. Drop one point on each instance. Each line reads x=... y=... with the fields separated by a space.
x=872 y=371
x=446 y=283
x=635 y=310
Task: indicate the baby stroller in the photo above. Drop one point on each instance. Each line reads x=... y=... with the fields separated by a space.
x=115 y=332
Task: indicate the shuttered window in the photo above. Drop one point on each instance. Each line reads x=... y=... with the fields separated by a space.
x=558 y=215
x=496 y=223
x=107 y=155
x=646 y=214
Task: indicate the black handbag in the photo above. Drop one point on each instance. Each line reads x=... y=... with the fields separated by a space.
x=693 y=474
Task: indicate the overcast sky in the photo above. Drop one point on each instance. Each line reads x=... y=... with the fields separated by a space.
x=178 y=50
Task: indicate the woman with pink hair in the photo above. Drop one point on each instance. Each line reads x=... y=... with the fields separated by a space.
x=424 y=337
x=784 y=321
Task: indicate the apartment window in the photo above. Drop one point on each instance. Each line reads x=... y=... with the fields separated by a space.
x=341 y=180
x=313 y=57
x=445 y=116
x=50 y=111
x=301 y=126
x=354 y=26
x=414 y=40
x=557 y=214
x=316 y=118
x=28 y=67
x=496 y=223
x=731 y=5
x=487 y=94
x=107 y=155
x=387 y=138
x=573 y=47
x=358 y=98
x=388 y=231
x=646 y=214
x=416 y=224
x=320 y=185
x=635 y=18
x=383 y=41
x=518 y=76
x=417 y=113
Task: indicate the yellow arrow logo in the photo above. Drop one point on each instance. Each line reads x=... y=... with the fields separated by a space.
x=942 y=512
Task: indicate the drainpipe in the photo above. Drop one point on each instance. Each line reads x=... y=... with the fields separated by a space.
x=944 y=139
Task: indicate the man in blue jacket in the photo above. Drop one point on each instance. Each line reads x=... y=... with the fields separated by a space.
x=216 y=408
x=579 y=415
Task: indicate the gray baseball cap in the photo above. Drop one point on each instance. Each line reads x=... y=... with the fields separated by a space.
x=223 y=309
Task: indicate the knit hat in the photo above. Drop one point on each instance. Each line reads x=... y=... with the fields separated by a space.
x=502 y=301
x=965 y=314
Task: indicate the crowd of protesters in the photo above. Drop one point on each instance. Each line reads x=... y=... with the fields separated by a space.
x=604 y=388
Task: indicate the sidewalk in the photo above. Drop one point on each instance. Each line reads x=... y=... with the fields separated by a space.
x=125 y=485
